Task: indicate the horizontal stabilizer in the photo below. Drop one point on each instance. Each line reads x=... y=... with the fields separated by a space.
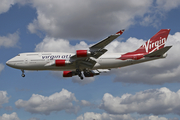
x=159 y=52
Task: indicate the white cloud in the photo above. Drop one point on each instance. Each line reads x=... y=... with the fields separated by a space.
x=166 y=5
x=103 y=116
x=86 y=20
x=85 y=103
x=45 y=105
x=5 y=5
x=129 y=45
x=10 y=40
x=1 y=67
x=106 y=116
x=59 y=45
x=152 y=117
x=154 y=101
x=12 y=116
x=34 y=119
x=158 y=12
x=3 y=98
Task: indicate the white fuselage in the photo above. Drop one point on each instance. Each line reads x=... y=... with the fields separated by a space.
x=40 y=61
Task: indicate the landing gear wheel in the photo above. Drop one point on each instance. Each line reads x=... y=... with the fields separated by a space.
x=79 y=73
x=23 y=75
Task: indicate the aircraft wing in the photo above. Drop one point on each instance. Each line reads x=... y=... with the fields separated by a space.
x=85 y=62
x=98 y=48
x=106 y=41
x=85 y=58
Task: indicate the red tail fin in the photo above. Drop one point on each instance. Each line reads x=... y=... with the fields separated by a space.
x=155 y=43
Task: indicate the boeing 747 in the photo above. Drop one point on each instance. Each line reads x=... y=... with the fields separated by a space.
x=95 y=60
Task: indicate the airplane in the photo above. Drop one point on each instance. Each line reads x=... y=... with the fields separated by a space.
x=92 y=62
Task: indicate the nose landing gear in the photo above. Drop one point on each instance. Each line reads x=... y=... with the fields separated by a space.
x=79 y=73
x=23 y=75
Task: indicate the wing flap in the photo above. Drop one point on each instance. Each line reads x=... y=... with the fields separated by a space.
x=103 y=70
x=87 y=63
x=97 y=54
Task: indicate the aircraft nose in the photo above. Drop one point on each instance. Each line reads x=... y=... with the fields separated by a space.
x=9 y=63
x=15 y=62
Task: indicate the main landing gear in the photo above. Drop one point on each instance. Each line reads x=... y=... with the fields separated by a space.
x=23 y=75
x=78 y=71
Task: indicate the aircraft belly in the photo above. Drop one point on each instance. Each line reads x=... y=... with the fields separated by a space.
x=116 y=63
x=61 y=68
x=108 y=63
x=41 y=66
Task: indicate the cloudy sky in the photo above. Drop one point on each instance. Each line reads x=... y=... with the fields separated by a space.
x=147 y=91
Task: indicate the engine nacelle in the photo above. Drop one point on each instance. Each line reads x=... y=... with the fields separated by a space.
x=61 y=62
x=69 y=73
x=90 y=74
x=82 y=53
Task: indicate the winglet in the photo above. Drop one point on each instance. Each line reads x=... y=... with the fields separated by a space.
x=120 y=32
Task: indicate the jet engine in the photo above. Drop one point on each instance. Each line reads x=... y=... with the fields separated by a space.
x=90 y=73
x=61 y=62
x=69 y=73
x=82 y=53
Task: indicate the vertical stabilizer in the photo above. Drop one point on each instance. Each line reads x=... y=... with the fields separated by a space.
x=155 y=43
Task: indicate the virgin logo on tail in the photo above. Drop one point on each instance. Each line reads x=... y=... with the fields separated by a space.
x=150 y=46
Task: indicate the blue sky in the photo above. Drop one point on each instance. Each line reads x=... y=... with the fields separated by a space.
x=147 y=91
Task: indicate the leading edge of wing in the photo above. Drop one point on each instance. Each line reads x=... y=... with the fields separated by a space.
x=106 y=41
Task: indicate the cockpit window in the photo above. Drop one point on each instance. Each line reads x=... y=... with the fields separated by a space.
x=18 y=55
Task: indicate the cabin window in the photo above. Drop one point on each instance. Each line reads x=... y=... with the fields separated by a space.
x=38 y=60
